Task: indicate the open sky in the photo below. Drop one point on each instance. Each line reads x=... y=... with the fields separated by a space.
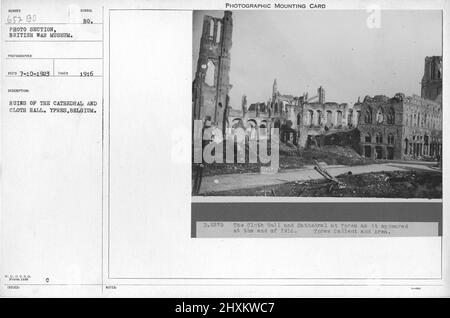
x=332 y=48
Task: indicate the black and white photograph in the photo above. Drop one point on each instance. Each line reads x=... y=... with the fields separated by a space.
x=224 y=150
x=340 y=103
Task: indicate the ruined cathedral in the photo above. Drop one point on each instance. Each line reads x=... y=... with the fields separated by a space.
x=379 y=127
x=212 y=82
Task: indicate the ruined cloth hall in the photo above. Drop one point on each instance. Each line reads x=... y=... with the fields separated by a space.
x=378 y=127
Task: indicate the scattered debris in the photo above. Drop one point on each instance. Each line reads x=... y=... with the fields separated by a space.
x=327 y=176
x=392 y=184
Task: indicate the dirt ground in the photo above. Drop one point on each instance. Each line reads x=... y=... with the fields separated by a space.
x=294 y=158
x=395 y=184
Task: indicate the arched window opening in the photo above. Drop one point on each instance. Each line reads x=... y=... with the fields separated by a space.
x=310 y=117
x=211 y=28
x=319 y=117
x=236 y=123
x=210 y=73
x=350 y=116
x=251 y=123
x=339 y=118
x=380 y=115
x=379 y=138
x=391 y=116
x=368 y=116
x=251 y=128
x=219 y=30
x=358 y=116
x=390 y=139
x=329 y=117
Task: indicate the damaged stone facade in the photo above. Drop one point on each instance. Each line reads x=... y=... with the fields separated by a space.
x=387 y=128
x=253 y=119
x=404 y=127
x=301 y=120
x=320 y=118
x=211 y=85
x=422 y=132
x=381 y=126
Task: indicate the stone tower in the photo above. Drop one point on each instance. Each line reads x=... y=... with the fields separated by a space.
x=321 y=95
x=432 y=78
x=212 y=81
x=274 y=88
x=244 y=105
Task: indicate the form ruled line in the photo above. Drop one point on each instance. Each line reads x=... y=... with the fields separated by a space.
x=27 y=23
x=39 y=41
x=53 y=58
x=53 y=76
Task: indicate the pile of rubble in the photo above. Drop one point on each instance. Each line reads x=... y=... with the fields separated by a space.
x=289 y=149
x=335 y=155
x=343 y=151
x=395 y=184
